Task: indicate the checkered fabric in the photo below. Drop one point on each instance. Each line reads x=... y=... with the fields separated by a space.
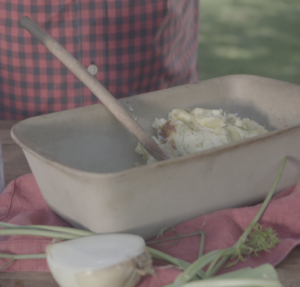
x=137 y=45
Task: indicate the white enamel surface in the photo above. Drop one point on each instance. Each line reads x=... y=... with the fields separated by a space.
x=83 y=159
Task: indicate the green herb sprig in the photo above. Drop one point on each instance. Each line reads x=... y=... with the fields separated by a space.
x=216 y=259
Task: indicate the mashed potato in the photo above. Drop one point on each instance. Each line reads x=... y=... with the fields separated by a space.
x=189 y=132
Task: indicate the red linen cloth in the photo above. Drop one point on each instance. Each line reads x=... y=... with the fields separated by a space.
x=22 y=203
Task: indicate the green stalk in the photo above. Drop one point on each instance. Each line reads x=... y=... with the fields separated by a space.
x=23 y=256
x=173 y=260
x=235 y=283
x=190 y=272
x=168 y=258
x=44 y=233
x=213 y=263
x=249 y=277
x=201 y=244
x=69 y=230
x=171 y=238
x=243 y=238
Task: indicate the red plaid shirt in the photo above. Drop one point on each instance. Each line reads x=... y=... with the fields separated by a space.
x=137 y=45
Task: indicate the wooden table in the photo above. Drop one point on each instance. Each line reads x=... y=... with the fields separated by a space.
x=15 y=165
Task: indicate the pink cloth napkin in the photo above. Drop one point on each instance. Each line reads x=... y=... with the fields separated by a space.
x=22 y=203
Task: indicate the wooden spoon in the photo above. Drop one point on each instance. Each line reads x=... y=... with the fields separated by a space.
x=97 y=89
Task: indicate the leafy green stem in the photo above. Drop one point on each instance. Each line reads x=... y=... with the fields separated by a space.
x=201 y=249
x=173 y=260
x=190 y=272
x=172 y=238
x=23 y=256
x=65 y=230
x=264 y=205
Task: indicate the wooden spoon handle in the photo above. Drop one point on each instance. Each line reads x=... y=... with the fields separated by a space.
x=96 y=88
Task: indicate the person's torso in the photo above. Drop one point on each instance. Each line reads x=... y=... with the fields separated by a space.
x=130 y=46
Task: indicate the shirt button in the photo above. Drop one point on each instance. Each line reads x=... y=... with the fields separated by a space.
x=92 y=69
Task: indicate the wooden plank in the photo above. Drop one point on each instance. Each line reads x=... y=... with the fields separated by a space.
x=27 y=279
x=288 y=269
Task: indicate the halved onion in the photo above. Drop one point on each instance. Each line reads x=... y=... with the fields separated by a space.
x=108 y=260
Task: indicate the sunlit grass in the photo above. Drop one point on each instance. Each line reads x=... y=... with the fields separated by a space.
x=250 y=37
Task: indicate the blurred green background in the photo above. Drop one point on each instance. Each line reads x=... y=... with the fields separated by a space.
x=258 y=37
